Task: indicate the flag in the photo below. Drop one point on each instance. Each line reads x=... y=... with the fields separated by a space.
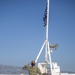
x=45 y=17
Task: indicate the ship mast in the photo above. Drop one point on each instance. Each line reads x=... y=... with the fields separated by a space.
x=54 y=68
x=46 y=43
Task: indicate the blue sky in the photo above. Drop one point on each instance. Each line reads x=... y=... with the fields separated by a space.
x=22 y=31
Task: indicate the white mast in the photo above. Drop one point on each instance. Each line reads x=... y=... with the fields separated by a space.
x=47 y=20
x=48 y=52
x=46 y=43
x=54 y=69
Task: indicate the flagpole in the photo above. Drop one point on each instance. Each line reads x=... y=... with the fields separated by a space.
x=47 y=25
x=47 y=20
x=48 y=52
x=46 y=42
